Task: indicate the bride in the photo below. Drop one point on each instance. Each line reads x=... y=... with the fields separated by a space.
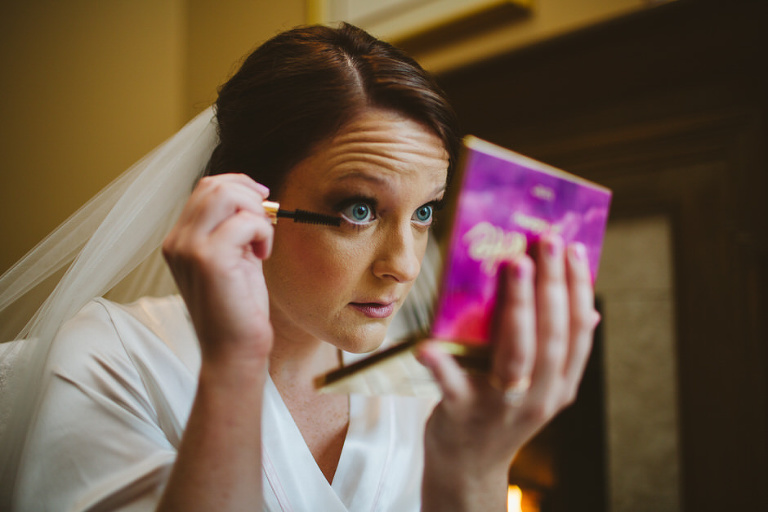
x=205 y=400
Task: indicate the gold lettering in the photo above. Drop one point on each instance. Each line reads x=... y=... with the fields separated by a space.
x=491 y=245
x=542 y=192
x=530 y=223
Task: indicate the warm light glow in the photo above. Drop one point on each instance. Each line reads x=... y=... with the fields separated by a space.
x=519 y=502
x=514 y=499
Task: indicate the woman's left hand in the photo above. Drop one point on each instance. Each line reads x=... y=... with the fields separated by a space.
x=541 y=336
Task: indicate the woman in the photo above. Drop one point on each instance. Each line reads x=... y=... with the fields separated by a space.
x=193 y=405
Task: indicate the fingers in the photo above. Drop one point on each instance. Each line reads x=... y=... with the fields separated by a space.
x=225 y=208
x=582 y=315
x=245 y=229
x=543 y=326
x=451 y=379
x=217 y=197
x=514 y=326
x=552 y=318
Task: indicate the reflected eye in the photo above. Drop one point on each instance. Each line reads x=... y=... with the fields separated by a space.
x=423 y=214
x=358 y=213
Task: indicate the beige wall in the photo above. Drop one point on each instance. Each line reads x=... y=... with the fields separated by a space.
x=89 y=86
x=221 y=33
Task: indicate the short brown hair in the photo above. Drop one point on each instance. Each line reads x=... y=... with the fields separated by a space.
x=299 y=87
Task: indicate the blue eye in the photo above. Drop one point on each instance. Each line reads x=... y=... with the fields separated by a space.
x=358 y=213
x=423 y=214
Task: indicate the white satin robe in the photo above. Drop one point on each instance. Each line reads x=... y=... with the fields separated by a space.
x=119 y=390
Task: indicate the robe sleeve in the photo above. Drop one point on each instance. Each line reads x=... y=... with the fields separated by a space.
x=115 y=400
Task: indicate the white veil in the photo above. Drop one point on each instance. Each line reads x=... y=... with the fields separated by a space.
x=111 y=244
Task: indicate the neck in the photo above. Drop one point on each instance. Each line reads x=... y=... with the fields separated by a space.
x=294 y=363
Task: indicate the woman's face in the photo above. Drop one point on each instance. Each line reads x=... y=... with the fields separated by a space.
x=382 y=173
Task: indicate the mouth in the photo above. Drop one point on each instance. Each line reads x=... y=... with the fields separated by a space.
x=375 y=309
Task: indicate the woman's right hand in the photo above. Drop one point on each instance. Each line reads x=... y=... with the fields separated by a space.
x=215 y=253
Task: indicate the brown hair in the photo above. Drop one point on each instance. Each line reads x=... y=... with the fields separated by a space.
x=299 y=87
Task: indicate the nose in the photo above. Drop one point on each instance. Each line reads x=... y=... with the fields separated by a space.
x=399 y=255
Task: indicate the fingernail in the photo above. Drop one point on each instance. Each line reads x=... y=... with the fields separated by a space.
x=597 y=317
x=553 y=246
x=578 y=251
x=518 y=268
x=263 y=189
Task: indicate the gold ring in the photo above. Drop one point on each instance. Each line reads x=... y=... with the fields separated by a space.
x=515 y=393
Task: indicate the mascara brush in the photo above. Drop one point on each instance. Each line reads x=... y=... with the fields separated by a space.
x=274 y=211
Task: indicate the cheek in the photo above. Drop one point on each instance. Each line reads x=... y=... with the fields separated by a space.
x=311 y=260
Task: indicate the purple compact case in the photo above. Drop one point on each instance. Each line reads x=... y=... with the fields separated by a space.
x=506 y=202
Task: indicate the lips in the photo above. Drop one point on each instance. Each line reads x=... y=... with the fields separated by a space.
x=374 y=309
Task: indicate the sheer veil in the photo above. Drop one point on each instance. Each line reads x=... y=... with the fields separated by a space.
x=109 y=246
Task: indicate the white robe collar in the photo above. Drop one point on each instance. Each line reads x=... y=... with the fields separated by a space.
x=292 y=479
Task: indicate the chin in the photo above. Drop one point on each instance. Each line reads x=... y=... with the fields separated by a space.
x=362 y=343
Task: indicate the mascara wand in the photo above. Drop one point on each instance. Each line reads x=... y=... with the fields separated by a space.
x=274 y=211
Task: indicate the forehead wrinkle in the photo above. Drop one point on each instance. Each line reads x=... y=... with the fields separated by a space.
x=385 y=170
x=381 y=180
x=382 y=148
x=403 y=155
x=385 y=165
x=397 y=132
x=406 y=151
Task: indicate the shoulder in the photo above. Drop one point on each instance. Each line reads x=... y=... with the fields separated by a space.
x=125 y=363
x=104 y=315
x=113 y=404
x=149 y=328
